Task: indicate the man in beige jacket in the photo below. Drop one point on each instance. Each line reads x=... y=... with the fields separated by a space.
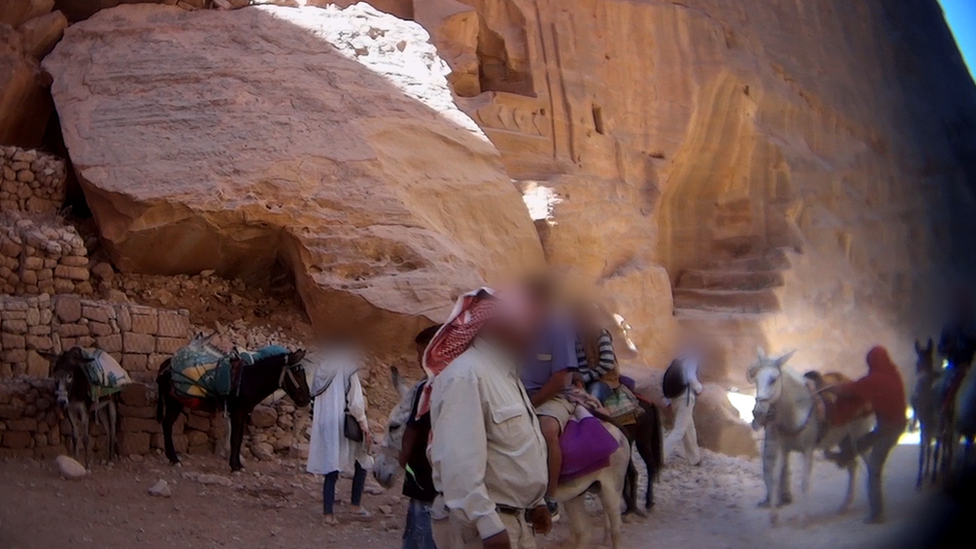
x=488 y=454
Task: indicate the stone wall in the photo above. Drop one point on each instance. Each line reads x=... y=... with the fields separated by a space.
x=41 y=254
x=32 y=181
x=31 y=425
x=139 y=337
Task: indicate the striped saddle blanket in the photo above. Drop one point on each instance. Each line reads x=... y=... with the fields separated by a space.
x=203 y=372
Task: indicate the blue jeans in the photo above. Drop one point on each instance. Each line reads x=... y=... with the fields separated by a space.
x=329 y=484
x=417 y=533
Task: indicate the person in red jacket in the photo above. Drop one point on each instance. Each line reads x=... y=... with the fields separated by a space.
x=884 y=388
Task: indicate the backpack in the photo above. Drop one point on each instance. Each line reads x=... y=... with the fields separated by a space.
x=673 y=383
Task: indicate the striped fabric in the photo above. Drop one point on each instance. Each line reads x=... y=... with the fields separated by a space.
x=607 y=360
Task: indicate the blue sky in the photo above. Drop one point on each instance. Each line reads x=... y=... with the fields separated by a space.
x=961 y=15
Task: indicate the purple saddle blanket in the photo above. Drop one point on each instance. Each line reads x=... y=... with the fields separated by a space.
x=586 y=446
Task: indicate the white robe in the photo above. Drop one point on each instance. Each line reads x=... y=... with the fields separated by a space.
x=328 y=448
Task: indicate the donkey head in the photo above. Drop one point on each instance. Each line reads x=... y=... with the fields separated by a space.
x=295 y=381
x=925 y=362
x=67 y=368
x=387 y=465
x=766 y=374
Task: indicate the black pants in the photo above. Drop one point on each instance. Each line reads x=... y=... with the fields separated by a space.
x=328 y=488
x=875 y=448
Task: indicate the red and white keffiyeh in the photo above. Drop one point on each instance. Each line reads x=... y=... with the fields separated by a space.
x=469 y=315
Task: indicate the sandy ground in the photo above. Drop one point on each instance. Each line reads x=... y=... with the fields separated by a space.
x=277 y=505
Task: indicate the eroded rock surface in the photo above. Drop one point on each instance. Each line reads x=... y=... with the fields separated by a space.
x=808 y=163
x=325 y=140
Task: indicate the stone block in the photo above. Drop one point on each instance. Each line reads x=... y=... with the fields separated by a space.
x=142 y=412
x=169 y=345
x=12 y=341
x=173 y=324
x=98 y=313
x=134 y=362
x=11 y=411
x=13 y=356
x=196 y=438
x=145 y=324
x=28 y=424
x=131 y=424
x=138 y=343
x=134 y=443
x=40 y=342
x=72 y=330
x=199 y=423
x=98 y=329
x=37 y=365
x=14 y=326
x=77 y=274
x=17 y=440
x=135 y=394
x=110 y=343
x=68 y=308
x=155 y=361
x=124 y=319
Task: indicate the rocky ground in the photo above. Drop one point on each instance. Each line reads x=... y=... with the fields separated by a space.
x=275 y=504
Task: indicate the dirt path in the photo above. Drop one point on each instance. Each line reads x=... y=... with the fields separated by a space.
x=276 y=505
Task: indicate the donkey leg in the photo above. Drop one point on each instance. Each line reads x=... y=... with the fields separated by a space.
x=113 y=435
x=237 y=420
x=173 y=410
x=610 y=499
x=845 y=505
x=805 y=484
x=774 y=496
x=576 y=511
x=85 y=434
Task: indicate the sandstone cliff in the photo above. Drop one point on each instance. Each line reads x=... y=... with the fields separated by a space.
x=794 y=174
x=326 y=141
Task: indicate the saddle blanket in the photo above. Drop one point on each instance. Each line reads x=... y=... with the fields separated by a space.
x=205 y=373
x=586 y=445
x=105 y=375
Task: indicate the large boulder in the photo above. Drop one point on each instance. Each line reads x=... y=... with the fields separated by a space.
x=324 y=140
x=719 y=426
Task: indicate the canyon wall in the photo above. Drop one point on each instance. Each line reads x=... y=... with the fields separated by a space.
x=776 y=173
x=787 y=174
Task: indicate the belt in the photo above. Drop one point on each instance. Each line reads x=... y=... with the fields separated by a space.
x=508 y=510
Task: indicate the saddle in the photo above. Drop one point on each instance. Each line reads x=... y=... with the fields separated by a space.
x=829 y=407
x=202 y=373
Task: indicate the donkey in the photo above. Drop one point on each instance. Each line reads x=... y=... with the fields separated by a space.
x=927 y=411
x=964 y=420
x=608 y=483
x=785 y=406
x=648 y=437
x=73 y=392
x=254 y=383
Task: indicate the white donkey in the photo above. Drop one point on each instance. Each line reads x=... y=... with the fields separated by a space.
x=608 y=483
x=786 y=407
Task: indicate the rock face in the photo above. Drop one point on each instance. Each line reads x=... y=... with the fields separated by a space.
x=328 y=142
x=792 y=174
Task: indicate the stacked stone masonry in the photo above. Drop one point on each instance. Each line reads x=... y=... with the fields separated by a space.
x=30 y=425
x=41 y=254
x=139 y=337
x=32 y=181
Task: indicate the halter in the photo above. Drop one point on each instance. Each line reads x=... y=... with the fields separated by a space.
x=287 y=371
x=771 y=413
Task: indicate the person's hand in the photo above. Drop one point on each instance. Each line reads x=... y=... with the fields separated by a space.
x=541 y=520
x=498 y=541
x=367 y=439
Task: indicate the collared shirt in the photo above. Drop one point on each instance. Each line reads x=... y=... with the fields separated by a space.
x=554 y=353
x=487 y=447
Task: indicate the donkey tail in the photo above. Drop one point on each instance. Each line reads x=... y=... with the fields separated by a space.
x=164 y=380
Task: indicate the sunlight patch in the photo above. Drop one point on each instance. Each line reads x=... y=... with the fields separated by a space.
x=540 y=201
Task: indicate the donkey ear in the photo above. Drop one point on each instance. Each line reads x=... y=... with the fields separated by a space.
x=761 y=353
x=931 y=345
x=918 y=347
x=784 y=358
x=395 y=376
x=296 y=357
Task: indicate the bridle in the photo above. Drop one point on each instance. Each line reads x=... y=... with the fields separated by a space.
x=289 y=372
x=770 y=415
